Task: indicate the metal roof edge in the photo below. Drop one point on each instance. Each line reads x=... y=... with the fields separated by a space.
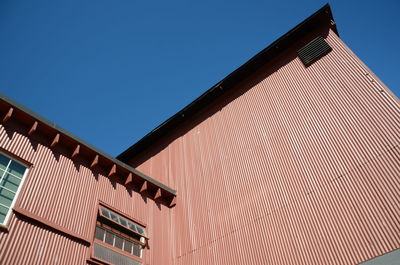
x=83 y=142
x=323 y=14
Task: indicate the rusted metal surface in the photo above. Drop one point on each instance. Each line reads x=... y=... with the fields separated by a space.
x=63 y=193
x=295 y=166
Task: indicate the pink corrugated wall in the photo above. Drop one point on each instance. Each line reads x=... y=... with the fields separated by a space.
x=302 y=168
x=66 y=193
x=28 y=244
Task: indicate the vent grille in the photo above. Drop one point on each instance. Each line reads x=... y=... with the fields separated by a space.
x=314 y=50
x=113 y=257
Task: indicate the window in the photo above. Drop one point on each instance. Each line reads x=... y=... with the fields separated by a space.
x=11 y=176
x=117 y=239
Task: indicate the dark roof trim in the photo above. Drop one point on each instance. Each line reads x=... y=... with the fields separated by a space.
x=322 y=17
x=77 y=139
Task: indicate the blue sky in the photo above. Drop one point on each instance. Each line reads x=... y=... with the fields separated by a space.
x=111 y=71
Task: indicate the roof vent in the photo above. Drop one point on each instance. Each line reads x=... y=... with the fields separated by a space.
x=313 y=50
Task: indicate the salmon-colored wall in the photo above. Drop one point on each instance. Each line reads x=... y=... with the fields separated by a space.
x=295 y=166
x=65 y=192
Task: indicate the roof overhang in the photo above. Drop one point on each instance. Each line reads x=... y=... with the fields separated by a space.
x=34 y=124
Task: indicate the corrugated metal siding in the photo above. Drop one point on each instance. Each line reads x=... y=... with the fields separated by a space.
x=30 y=244
x=66 y=192
x=302 y=168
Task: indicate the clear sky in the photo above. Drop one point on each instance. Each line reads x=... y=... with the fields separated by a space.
x=111 y=71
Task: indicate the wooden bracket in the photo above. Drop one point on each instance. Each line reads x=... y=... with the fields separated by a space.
x=173 y=202
x=8 y=115
x=158 y=194
x=95 y=161
x=76 y=151
x=143 y=188
x=129 y=179
x=56 y=140
x=113 y=171
x=33 y=128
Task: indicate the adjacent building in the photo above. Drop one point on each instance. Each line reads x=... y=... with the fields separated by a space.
x=291 y=159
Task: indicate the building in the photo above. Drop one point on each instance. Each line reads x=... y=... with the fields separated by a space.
x=291 y=159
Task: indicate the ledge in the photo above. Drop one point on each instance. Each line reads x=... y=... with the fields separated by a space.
x=51 y=225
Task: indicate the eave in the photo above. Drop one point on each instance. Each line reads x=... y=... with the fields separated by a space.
x=116 y=170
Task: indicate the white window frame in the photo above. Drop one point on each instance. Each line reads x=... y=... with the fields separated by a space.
x=5 y=222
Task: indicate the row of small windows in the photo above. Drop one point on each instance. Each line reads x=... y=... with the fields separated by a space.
x=118 y=241
x=122 y=221
x=121 y=239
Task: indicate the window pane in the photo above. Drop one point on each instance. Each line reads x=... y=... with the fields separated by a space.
x=6 y=197
x=1 y=173
x=137 y=249
x=3 y=161
x=118 y=242
x=132 y=226
x=99 y=233
x=123 y=221
x=109 y=238
x=3 y=214
x=114 y=217
x=10 y=182
x=140 y=230
x=105 y=212
x=128 y=246
x=17 y=169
